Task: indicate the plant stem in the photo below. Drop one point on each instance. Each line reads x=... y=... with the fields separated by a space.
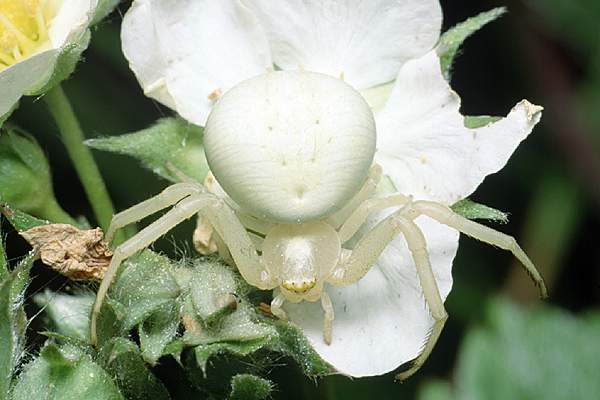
x=52 y=211
x=81 y=156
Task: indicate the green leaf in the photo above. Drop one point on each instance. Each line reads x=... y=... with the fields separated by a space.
x=171 y=144
x=13 y=321
x=158 y=330
x=249 y=387
x=539 y=353
x=291 y=342
x=469 y=209
x=435 y=390
x=474 y=122
x=238 y=348
x=122 y=360
x=18 y=219
x=66 y=374
x=212 y=288
x=143 y=286
x=452 y=40
x=3 y=263
x=69 y=315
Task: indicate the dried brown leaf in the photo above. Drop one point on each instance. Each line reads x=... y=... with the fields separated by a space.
x=77 y=254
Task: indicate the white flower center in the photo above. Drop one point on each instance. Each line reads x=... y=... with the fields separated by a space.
x=24 y=28
x=291 y=146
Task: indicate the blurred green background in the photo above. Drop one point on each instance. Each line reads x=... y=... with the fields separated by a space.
x=547 y=51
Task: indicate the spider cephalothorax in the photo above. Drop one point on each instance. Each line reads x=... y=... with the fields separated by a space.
x=293 y=153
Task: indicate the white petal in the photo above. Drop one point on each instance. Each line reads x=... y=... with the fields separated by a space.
x=366 y=42
x=423 y=145
x=71 y=21
x=381 y=322
x=182 y=51
x=24 y=76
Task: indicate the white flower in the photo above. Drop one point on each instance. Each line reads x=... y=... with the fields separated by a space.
x=33 y=35
x=187 y=52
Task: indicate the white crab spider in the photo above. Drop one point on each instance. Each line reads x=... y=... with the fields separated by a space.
x=294 y=153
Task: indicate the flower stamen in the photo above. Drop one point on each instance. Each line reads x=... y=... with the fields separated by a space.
x=23 y=29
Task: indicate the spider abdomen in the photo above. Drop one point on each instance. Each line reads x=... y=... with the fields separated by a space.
x=289 y=146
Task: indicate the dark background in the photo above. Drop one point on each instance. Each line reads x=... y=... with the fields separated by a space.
x=547 y=51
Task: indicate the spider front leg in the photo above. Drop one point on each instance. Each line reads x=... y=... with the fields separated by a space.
x=221 y=216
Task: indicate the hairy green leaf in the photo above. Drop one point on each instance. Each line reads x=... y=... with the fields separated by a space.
x=452 y=40
x=13 y=321
x=158 y=330
x=3 y=263
x=68 y=314
x=144 y=285
x=122 y=360
x=249 y=387
x=18 y=219
x=64 y=374
x=469 y=209
x=169 y=148
x=291 y=342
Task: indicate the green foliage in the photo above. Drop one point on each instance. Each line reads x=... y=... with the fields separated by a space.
x=542 y=353
x=291 y=342
x=249 y=387
x=560 y=16
x=13 y=321
x=67 y=314
x=18 y=219
x=25 y=180
x=469 y=209
x=64 y=373
x=452 y=40
x=121 y=358
x=3 y=262
x=170 y=145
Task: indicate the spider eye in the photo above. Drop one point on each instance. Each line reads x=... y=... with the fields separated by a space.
x=299 y=286
x=291 y=146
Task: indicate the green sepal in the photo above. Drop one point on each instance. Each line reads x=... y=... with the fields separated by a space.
x=121 y=358
x=68 y=314
x=452 y=40
x=66 y=60
x=13 y=321
x=7 y=115
x=104 y=8
x=67 y=373
x=168 y=146
x=474 y=122
x=249 y=387
x=471 y=210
